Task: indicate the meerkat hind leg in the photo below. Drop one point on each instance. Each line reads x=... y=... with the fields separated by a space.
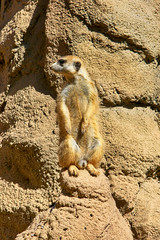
x=73 y=171
x=92 y=170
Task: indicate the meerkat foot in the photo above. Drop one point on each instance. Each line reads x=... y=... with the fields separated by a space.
x=92 y=170
x=82 y=164
x=73 y=171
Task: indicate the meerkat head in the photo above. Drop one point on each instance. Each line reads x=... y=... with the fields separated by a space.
x=69 y=66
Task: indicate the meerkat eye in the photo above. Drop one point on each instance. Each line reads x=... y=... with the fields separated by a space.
x=61 y=62
x=77 y=66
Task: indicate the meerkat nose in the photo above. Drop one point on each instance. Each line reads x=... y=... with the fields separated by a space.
x=53 y=66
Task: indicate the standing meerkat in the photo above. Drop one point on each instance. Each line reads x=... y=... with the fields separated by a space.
x=81 y=144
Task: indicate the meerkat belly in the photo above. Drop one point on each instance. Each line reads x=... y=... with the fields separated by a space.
x=77 y=104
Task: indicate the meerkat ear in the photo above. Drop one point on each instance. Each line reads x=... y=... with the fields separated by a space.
x=77 y=66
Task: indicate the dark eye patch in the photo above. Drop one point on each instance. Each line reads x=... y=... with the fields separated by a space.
x=61 y=61
x=77 y=65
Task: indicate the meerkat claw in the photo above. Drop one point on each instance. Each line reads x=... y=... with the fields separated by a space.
x=92 y=170
x=73 y=171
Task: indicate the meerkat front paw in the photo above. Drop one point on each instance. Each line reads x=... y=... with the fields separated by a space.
x=68 y=130
x=73 y=171
x=82 y=164
x=92 y=170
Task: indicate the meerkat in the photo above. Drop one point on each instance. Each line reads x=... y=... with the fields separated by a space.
x=81 y=144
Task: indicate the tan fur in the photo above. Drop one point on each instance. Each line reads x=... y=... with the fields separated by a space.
x=81 y=144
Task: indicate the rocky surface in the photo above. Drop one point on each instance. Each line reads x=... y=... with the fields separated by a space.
x=120 y=43
x=28 y=130
x=85 y=210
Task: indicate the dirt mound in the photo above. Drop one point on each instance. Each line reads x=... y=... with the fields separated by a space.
x=85 y=210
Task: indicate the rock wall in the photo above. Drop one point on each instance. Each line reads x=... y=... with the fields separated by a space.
x=28 y=130
x=120 y=43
